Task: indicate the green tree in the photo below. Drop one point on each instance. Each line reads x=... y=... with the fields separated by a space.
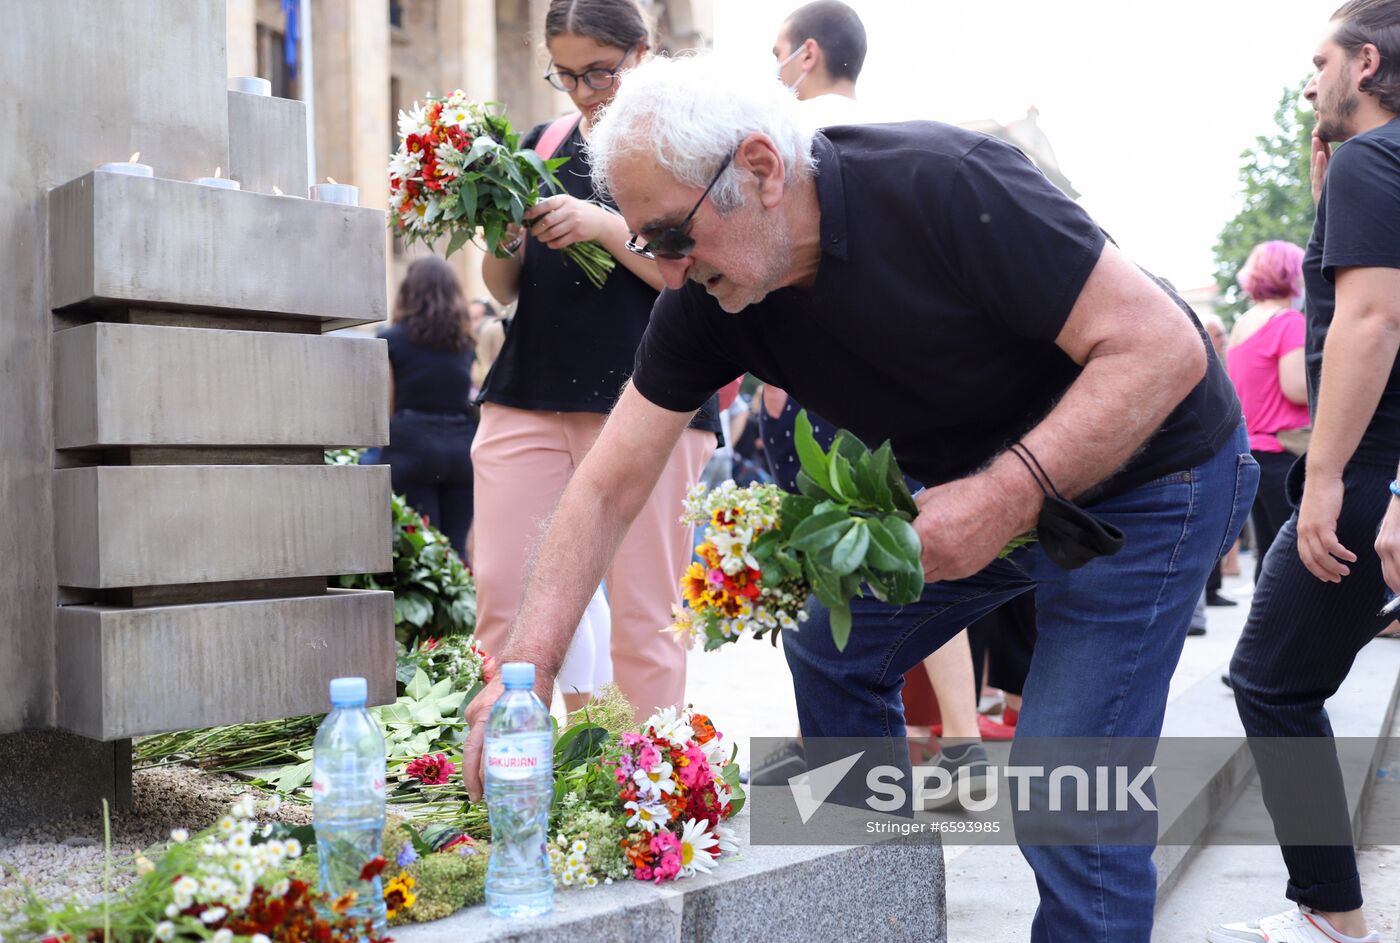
x=1277 y=196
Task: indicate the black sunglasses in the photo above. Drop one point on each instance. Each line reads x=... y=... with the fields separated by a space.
x=674 y=242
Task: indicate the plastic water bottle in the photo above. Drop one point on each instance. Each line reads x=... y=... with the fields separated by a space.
x=347 y=799
x=519 y=788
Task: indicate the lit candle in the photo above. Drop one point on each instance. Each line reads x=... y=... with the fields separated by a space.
x=251 y=85
x=129 y=166
x=277 y=191
x=333 y=192
x=218 y=180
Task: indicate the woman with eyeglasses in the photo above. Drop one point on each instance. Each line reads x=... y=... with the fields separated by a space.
x=569 y=351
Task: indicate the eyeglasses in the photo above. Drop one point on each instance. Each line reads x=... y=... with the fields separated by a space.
x=600 y=80
x=674 y=242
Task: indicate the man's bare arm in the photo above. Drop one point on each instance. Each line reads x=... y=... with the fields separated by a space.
x=1356 y=362
x=1141 y=356
x=605 y=494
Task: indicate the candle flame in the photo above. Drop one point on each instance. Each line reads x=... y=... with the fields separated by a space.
x=330 y=179
x=277 y=190
x=132 y=158
x=218 y=172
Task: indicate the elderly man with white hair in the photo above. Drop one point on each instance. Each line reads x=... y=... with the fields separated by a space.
x=1014 y=358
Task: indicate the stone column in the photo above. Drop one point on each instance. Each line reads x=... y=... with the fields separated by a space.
x=166 y=518
x=351 y=43
x=242 y=33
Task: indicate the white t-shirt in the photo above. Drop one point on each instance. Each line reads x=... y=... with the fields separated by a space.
x=831 y=109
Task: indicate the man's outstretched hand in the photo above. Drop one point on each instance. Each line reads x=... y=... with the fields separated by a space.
x=479 y=710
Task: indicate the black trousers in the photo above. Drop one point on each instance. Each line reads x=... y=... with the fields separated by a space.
x=1298 y=646
x=1006 y=638
x=430 y=460
x=1271 y=506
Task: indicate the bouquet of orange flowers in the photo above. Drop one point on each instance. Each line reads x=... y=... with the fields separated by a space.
x=764 y=551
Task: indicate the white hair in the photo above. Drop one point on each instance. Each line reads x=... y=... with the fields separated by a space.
x=690 y=113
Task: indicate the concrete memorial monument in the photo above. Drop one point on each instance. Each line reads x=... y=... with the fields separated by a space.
x=167 y=524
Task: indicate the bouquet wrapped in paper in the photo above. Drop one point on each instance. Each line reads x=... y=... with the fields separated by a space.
x=460 y=171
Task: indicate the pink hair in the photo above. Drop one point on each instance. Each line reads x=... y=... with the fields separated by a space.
x=1274 y=270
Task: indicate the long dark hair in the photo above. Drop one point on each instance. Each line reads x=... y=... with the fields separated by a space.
x=617 y=23
x=431 y=307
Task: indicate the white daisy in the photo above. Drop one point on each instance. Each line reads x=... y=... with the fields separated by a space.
x=291 y=848
x=656 y=781
x=179 y=835
x=697 y=846
x=728 y=840
x=223 y=935
x=165 y=931
x=646 y=815
x=213 y=915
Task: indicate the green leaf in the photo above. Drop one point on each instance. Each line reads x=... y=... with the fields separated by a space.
x=841 y=625
x=905 y=588
x=809 y=486
x=849 y=446
x=809 y=453
x=795 y=509
x=850 y=549
x=880 y=464
x=826 y=585
x=889 y=553
x=419 y=687
x=877 y=583
x=905 y=538
x=903 y=500
x=843 y=483
x=578 y=745
x=820 y=531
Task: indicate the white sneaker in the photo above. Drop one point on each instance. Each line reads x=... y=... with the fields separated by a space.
x=1292 y=926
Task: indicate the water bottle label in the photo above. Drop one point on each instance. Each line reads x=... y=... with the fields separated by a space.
x=518 y=756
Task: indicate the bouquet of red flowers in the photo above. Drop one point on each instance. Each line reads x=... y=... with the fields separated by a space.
x=460 y=170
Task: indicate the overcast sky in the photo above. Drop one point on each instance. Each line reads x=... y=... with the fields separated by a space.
x=1147 y=105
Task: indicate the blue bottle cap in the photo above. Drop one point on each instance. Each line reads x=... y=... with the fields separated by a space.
x=518 y=674
x=347 y=692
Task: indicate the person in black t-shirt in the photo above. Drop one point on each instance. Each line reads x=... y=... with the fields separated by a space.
x=433 y=420
x=1324 y=580
x=991 y=310
x=568 y=352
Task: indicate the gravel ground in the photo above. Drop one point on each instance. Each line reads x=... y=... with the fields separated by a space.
x=63 y=858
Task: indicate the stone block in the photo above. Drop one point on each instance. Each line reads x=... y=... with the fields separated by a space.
x=267 y=139
x=130 y=672
x=136 y=385
x=150 y=525
x=49 y=774
x=774 y=893
x=122 y=240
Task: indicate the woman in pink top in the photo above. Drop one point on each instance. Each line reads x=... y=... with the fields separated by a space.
x=1265 y=360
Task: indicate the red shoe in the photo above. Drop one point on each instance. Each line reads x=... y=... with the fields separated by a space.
x=1009 y=716
x=987 y=728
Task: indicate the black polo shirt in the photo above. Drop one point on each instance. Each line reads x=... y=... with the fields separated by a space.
x=1358 y=226
x=949 y=266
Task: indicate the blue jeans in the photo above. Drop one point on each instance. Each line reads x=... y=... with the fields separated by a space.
x=1110 y=635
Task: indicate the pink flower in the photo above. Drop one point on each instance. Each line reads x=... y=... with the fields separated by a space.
x=695 y=774
x=648 y=757
x=667 y=848
x=431 y=769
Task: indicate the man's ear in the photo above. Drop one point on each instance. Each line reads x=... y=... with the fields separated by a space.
x=760 y=158
x=811 y=53
x=1368 y=63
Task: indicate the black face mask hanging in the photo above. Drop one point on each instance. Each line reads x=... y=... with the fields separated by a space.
x=1069 y=535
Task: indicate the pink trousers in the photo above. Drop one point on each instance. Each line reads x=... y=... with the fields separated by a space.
x=521 y=461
